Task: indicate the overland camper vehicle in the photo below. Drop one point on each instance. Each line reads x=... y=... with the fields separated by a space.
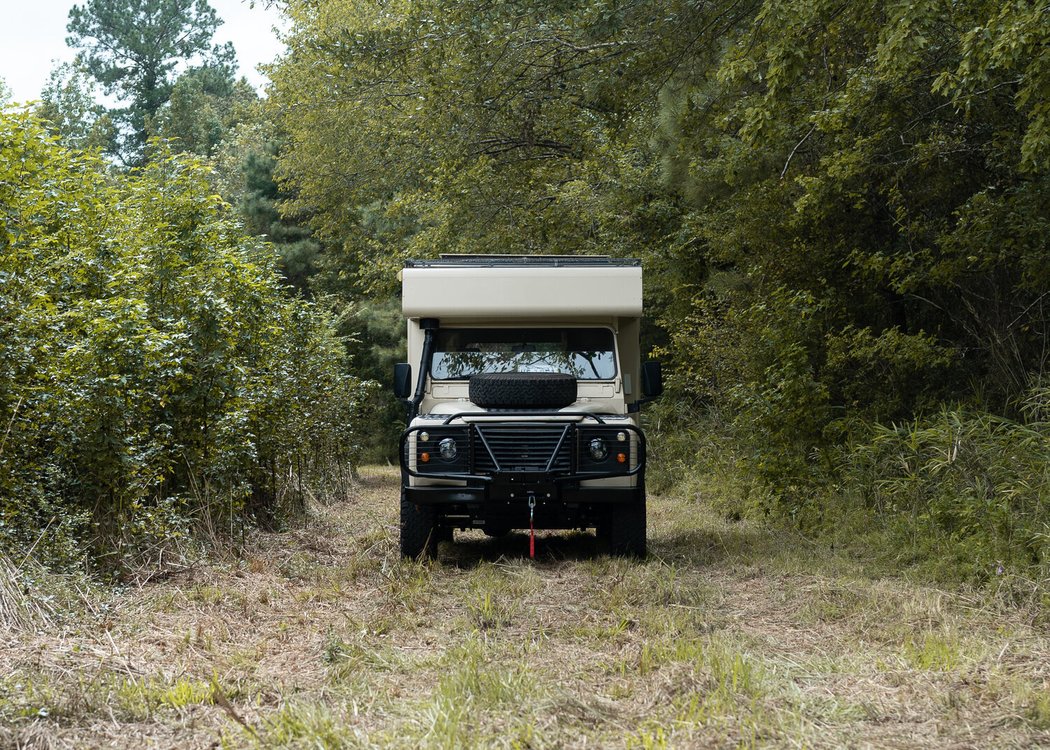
x=523 y=388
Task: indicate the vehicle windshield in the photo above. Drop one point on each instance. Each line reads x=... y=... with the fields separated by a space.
x=587 y=353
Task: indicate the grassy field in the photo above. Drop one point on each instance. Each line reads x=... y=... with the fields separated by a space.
x=729 y=635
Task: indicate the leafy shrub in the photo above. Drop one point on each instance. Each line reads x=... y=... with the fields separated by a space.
x=693 y=451
x=788 y=379
x=752 y=357
x=154 y=374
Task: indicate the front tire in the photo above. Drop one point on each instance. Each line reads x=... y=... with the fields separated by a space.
x=419 y=532
x=622 y=532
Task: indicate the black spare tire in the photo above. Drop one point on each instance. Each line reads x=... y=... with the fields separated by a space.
x=517 y=390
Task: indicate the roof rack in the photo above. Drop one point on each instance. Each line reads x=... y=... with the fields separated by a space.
x=545 y=261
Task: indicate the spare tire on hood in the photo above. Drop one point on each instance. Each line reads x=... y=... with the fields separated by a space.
x=521 y=390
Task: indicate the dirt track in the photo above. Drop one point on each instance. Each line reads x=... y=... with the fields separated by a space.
x=729 y=635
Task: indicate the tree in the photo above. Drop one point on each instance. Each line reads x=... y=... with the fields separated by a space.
x=447 y=127
x=134 y=48
x=204 y=106
x=245 y=164
x=154 y=373
x=69 y=104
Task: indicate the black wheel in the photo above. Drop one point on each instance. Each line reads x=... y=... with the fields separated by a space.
x=622 y=531
x=419 y=533
x=534 y=390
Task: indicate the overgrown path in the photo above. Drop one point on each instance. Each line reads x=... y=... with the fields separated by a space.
x=729 y=635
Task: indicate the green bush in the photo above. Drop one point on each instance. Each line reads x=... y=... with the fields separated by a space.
x=964 y=493
x=155 y=376
x=961 y=495
x=695 y=452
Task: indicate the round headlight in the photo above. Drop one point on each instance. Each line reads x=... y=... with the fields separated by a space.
x=599 y=451
x=447 y=448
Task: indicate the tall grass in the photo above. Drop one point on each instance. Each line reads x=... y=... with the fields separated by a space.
x=960 y=494
x=964 y=490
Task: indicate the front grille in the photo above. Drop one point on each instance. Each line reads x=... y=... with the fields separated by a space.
x=526 y=447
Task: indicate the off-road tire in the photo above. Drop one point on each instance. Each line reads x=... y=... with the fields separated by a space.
x=516 y=390
x=622 y=531
x=419 y=532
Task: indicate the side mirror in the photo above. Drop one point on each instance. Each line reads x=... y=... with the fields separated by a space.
x=652 y=380
x=403 y=380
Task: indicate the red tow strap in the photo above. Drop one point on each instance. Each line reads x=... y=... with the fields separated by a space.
x=532 y=529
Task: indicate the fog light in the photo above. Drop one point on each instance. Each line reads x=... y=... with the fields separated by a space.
x=447 y=447
x=424 y=457
x=424 y=436
x=621 y=457
x=598 y=450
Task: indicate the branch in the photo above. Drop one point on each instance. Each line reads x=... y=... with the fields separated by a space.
x=796 y=148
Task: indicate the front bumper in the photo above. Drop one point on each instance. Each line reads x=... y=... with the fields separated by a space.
x=512 y=461
x=485 y=496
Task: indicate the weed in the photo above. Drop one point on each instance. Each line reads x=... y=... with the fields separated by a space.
x=27 y=697
x=606 y=632
x=833 y=603
x=206 y=594
x=348 y=658
x=933 y=653
x=959 y=494
x=140 y=698
x=1037 y=708
x=296 y=725
x=489 y=613
x=649 y=738
x=475 y=687
x=409 y=586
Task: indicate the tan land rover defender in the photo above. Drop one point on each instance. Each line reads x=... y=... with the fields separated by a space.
x=523 y=391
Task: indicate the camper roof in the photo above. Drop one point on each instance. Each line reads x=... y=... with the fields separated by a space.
x=448 y=260
x=507 y=286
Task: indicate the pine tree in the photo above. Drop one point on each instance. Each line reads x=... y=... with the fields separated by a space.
x=134 y=49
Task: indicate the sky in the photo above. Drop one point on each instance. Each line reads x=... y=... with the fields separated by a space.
x=33 y=35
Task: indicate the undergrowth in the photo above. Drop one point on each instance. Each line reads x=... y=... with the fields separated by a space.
x=960 y=495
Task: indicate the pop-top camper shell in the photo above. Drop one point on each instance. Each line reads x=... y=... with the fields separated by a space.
x=515 y=292
x=435 y=290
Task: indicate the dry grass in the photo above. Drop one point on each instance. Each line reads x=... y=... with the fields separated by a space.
x=20 y=607
x=728 y=636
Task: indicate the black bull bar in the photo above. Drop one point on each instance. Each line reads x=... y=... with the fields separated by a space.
x=514 y=459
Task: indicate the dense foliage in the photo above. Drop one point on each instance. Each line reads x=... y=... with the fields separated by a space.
x=842 y=207
x=245 y=163
x=69 y=105
x=155 y=376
